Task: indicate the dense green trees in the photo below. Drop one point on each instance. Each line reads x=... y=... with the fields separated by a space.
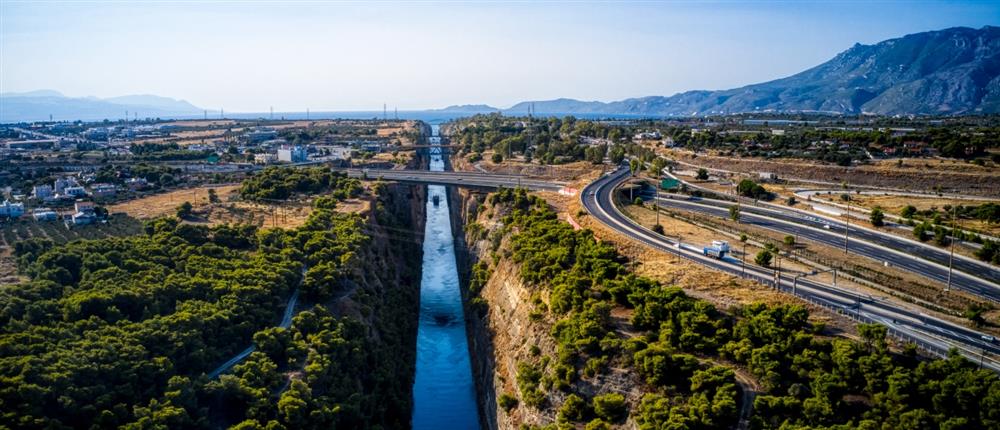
x=120 y=332
x=748 y=188
x=683 y=349
x=281 y=183
x=105 y=325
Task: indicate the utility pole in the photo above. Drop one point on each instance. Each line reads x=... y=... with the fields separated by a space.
x=777 y=271
x=739 y=209
x=951 y=256
x=656 y=204
x=847 y=224
x=744 y=259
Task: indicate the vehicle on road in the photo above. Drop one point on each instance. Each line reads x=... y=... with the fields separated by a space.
x=718 y=249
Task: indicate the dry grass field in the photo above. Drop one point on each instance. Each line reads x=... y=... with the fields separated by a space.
x=229 y=209
x=920 y=175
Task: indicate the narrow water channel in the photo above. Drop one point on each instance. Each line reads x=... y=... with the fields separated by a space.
x=444 y=395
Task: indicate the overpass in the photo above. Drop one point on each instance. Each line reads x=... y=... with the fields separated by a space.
x=462 y=179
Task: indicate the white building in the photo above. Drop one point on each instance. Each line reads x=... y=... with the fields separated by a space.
x=76 y=191
x=647 y=135
x=261 y=134
x=11 y=210
x=44 y=214
x=41 y=192
x=82 y=206
x=136 y=183
x=103 y=190
x=293 y=154
x=265 y=158
x=62 y=184
x=84 y=218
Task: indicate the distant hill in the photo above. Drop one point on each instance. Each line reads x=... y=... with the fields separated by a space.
x=952 y=71
x=38 y=105
x=469 y=109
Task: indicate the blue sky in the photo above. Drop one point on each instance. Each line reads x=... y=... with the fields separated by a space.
x=249 y=55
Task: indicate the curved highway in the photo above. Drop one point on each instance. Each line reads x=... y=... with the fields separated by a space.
x=931 y=333
x=931 y=264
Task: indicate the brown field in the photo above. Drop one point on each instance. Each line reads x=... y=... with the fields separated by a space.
x=205 y=123
x=895 y=205
x=919 y=175
x=158 y=205
x=563 y=172
x=290 y=214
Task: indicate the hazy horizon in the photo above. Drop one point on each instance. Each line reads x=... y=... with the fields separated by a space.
x=250 y=56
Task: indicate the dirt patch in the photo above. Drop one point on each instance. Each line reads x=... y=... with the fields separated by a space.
x=165 y=204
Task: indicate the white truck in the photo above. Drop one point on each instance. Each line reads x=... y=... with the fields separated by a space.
x=719 y=249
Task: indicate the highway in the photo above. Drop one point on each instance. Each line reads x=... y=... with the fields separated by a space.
x=929 y=263
x=930 y=333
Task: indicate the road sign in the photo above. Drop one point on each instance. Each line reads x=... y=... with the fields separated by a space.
x=669 y=183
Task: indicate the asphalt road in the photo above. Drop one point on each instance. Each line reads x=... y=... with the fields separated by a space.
x=898 y=253
x=928 y=332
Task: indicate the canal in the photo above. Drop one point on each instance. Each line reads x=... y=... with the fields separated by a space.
x=444 y=395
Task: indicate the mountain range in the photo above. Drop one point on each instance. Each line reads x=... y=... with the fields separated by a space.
x=38 y=105
x=948 y=72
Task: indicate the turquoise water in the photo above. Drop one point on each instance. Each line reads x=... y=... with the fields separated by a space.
x=444 y=394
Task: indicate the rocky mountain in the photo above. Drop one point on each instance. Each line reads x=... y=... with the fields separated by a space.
x=946 y=72
x=38 y=105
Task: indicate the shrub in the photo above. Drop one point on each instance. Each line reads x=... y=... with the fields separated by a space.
x=610 y=406
x=763 y=258
x=877 y=217
x=507 y=402
x=184 y=210
x=573 y=409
